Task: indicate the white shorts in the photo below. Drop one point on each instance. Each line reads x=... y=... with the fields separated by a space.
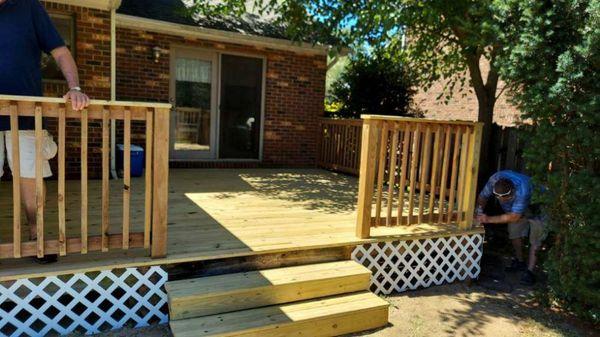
x=27 y=152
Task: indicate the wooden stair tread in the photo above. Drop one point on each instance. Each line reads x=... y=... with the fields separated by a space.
x=329 y=316
x=232 y=292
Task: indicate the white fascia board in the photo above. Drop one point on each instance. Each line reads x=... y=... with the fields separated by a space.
x=96 y=4
x=157 y=26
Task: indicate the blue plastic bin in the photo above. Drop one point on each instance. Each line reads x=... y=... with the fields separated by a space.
x=137 y=159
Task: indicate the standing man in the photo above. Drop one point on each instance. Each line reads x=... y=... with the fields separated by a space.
x=513 y=192
x=25 y=32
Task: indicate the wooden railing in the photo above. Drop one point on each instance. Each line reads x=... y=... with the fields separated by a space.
x=339 y=144
x=154 y=234
x=415 y=171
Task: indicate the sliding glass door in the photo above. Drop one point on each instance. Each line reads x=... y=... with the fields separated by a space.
x=240 y=108
x=193 y=94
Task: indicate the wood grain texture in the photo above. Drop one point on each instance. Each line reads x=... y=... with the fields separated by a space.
x=39 y=181
x=332 y=316
x=283 y=210
x=84 y=181
x=16 y=177
x=233 y=292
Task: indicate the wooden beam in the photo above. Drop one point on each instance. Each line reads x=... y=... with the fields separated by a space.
x=160 y=182
x=371 y=133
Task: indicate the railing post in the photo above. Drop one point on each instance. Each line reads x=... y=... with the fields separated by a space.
x=160 y=182
x=368 y=156
x=472 y=173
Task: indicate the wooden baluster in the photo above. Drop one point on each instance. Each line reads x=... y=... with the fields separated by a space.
x=445 y=168
x=473 y=171
x=126 y=177
x=405 y=144
x=434 y=171
x=392 y=170
x=16 y=174
x=424 y=172
x=148 y=173
x=160 y=185
x=462 y=174
x=105 y=178
x=455 y=163
x=413 y=171
x=39 y=180
x=84 y=181
x=381 y=171
x=62 y=232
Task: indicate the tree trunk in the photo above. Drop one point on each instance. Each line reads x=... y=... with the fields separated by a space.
x=486 y=116
x=486 y=99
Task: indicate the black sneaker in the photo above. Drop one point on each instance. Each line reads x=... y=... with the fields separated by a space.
x=528 y=278
x=46 y=259
x=515 y=266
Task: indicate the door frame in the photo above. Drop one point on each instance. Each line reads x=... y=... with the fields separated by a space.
x=203 y=54
x=262 y=105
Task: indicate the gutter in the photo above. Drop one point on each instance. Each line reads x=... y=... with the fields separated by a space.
x=157 y=26
x=113 y=88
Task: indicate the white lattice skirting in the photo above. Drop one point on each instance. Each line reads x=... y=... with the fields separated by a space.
x=408 y=265
x=88 y=302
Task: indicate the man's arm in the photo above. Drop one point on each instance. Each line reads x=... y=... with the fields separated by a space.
x=504 y=218
x=67 y=65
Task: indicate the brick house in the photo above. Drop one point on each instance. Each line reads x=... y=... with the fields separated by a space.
x=243 y=94
x=463 y=105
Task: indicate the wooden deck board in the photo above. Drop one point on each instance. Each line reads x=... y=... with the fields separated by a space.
x=216 y=213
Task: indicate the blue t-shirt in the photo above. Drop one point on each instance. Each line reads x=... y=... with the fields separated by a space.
x=522 y=191
x=25 y=31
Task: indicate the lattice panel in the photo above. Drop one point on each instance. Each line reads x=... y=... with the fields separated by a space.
x=88 y=302
x=408 y=265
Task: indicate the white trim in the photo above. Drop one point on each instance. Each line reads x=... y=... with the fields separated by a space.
x=213 y=57
x=134 y=22
x=403 y=265
x=93 y=302
x=97 y=4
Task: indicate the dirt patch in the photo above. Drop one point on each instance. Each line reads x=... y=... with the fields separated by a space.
x=450 y=310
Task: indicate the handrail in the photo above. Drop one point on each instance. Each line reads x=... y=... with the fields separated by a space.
x=415 y=171
x=339 y=144
x=156 y=117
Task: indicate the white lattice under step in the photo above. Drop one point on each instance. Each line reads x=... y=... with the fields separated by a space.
x=88 y=302
x=408 y=265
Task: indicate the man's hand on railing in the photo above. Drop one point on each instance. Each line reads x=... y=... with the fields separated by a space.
x=78 y=99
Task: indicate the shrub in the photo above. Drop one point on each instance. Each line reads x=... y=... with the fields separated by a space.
x=554 y=64
x=375 y=83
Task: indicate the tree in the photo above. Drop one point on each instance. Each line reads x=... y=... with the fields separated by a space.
x=373 y=83
x=555 y=63
x=447 y=40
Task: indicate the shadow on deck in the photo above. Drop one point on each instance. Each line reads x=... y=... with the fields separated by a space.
x=219 y=213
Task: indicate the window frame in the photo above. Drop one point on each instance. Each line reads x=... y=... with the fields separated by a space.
x=73 y=49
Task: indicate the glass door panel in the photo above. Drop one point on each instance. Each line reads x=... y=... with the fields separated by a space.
x=193 y=113
x=240 y=110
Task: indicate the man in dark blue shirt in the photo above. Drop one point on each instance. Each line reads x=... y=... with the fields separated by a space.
x=25 y=32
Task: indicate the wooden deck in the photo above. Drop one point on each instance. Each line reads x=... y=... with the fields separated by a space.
x=219 y=213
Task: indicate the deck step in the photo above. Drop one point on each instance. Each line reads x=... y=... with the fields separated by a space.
x=232 y=292
x=331 y=316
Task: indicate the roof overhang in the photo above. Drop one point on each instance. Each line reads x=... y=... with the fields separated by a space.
x=134 y=22
x=97 y=4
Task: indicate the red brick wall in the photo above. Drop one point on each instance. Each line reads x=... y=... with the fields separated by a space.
x=295 y=89
x=92 y=54
x=463 y=105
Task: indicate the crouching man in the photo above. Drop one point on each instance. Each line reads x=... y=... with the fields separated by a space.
x=513 y=191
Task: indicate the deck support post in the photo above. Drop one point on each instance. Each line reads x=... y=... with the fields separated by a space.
x=471 y=178
x=160 y=183
x=371 y=132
